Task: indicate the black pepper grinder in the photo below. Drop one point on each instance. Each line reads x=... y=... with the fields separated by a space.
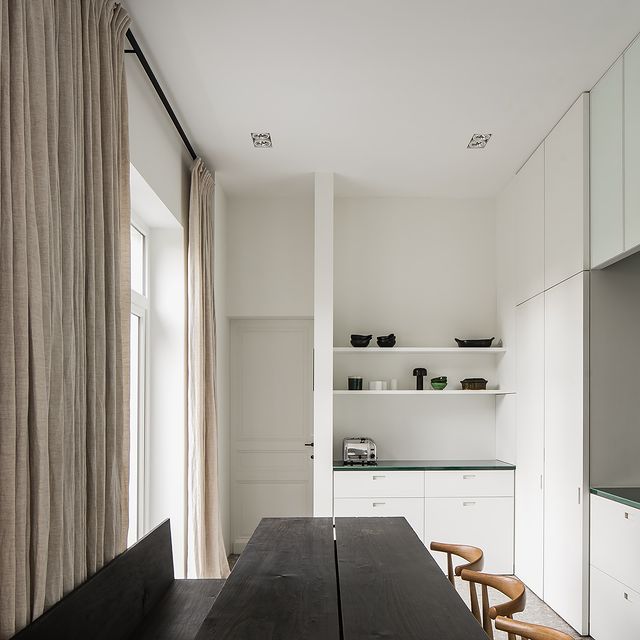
x=420 y=374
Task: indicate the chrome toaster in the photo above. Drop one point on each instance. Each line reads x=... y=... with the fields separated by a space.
x=359 y=451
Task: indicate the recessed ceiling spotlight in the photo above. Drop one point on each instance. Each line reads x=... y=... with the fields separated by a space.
x=479 y=140
x=262 y=140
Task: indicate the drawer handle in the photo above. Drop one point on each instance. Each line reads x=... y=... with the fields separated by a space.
x=468 y=504
x=626 y=597
x=468 y=476
x=626 y=517
x=379 y=504
x=378 y=477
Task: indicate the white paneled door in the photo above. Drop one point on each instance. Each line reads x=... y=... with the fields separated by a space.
x=529 y=490
x=566 y=461
x=271 y=422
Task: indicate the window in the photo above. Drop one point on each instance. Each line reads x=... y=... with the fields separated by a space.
x=138 y=359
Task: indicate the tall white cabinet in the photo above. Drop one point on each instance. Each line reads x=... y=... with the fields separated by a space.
x=566 y=486
x=551 y=327
x=529 y=491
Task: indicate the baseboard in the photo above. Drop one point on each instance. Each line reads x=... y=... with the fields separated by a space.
x=239 y=544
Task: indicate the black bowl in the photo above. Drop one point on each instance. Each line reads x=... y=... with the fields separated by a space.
x=484 y=342
x=387 y=341
x=360 y=341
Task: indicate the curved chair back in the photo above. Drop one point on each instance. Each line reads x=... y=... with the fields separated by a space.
x=474 y=557
x=509 y=586
x=529 y=631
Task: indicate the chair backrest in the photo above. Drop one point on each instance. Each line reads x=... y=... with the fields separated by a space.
x=475 y=561
x=529 y=631
x=473 y=555
x=513 y=588
x=113 y=602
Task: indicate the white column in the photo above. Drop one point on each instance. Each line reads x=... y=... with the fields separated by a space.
x=323 y=348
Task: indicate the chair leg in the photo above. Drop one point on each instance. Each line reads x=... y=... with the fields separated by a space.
x=450 y=573
x=486 y=620
x=475 y=608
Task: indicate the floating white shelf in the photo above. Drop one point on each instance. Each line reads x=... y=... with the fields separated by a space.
x=458 y=350
x=427 y=392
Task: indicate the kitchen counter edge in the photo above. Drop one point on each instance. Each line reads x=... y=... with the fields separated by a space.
x=629 y=496
x=428 y=465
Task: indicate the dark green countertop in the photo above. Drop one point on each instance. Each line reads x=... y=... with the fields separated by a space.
x=428 y=465
x=624 y=495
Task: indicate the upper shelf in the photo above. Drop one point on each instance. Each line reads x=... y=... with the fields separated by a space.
x=426 y=392
x=459 y=350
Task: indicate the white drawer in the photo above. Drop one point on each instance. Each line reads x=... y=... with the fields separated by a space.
x=370 y=484
x=615 y=609
x=462 y=484
x=481 y=522
x=615 y=533
x=410 y=508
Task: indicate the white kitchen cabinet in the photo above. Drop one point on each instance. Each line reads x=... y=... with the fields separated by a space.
x=369 y=484
x=615 y=608
x=615 y=533
x=482 y=522
x=529 y=493
x=632 y=147
x=566 y=188
x=606 y=161
x=410 y=508
x=566 y=440
x=528 y=197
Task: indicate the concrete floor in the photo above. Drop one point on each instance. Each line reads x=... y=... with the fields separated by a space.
x=536 y=610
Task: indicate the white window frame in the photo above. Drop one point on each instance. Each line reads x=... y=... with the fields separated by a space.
x=140 y=308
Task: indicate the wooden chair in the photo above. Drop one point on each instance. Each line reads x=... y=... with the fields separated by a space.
x=510 y=586
x=529 y=631
x=475 y=561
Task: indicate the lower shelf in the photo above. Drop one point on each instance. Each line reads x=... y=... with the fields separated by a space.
x=426 y=392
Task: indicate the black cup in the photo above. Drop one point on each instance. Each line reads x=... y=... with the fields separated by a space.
x=355 y=383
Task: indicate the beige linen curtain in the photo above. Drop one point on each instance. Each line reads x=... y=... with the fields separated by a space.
x=64 y=299
x=206 y=553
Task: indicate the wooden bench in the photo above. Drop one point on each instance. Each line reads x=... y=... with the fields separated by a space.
x=134 y=596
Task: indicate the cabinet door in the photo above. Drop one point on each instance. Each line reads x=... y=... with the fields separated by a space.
x=565 y=435
x=566 y=163
x=529 y=516
x=615 y=609
x=607 y=215
x=481 y=522
x=632 y=146
x=528 y=200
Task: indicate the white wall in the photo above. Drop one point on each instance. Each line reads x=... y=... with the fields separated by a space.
x=506 y=323
x=156 y=149
x=270 y=257
x=614 y=360
x=222 y=357
x=421 y=268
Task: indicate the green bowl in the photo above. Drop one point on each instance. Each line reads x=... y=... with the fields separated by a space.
x=438 y=386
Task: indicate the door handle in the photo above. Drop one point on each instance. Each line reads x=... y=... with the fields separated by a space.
x=308 y=444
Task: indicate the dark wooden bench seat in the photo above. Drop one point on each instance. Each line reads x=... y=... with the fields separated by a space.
x=135 y=596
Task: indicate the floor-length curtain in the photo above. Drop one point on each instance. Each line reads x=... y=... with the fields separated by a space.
x=64 y=299
x=206 y=553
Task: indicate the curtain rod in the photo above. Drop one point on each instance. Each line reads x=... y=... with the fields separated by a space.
x=135 y=48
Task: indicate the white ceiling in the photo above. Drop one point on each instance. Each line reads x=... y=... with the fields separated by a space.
x=384 y=94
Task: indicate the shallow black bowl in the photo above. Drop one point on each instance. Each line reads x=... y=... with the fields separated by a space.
x=360 y=341
x=484 y=342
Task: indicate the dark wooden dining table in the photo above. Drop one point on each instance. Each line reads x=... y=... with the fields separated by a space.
x=304 y=578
